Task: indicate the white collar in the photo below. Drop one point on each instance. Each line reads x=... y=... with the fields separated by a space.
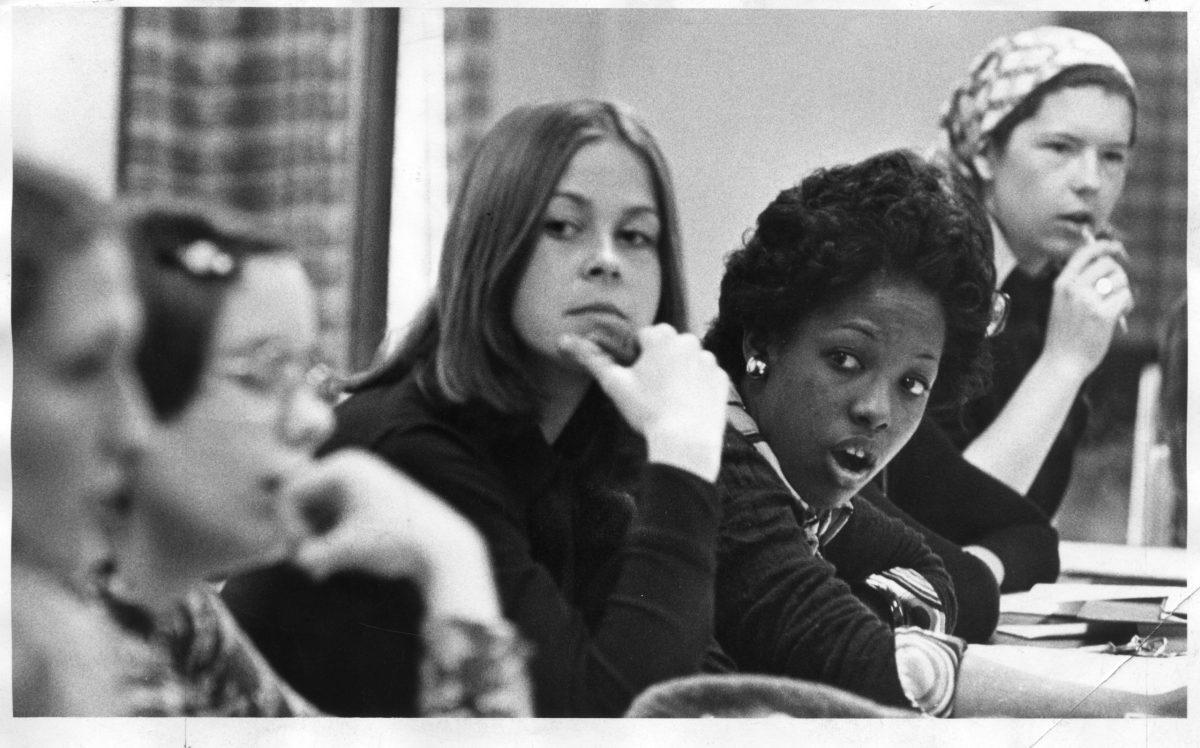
x=1002 y=255
x=744 y=423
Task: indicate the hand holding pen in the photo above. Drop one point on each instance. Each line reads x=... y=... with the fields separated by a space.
x=1090 y=298
x=1105 y=285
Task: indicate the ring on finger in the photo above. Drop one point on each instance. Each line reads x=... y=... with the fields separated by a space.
x=1104 y=286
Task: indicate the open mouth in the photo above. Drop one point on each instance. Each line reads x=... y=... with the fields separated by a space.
x=854 y=459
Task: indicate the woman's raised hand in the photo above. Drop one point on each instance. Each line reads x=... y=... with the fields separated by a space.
x=674 y=394
x=1091 y=295
x=352 y=511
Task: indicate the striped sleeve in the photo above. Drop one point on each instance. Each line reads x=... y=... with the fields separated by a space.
x=928 y=666
x=914 y=601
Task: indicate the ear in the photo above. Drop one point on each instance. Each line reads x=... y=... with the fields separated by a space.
x=753 y=345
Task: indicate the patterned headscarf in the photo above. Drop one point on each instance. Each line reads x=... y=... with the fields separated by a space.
x=1003 y=75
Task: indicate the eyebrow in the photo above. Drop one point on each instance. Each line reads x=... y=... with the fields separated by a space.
x=582 y=201
x=863 y=328
x=573 y=197
x=868 y=330
x=640 y=209
x=1076 y=139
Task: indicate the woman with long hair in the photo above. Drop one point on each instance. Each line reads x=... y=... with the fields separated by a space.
x=547 y=394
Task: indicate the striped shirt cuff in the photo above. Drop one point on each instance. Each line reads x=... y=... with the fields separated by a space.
x=928 y=666
x=914 y=601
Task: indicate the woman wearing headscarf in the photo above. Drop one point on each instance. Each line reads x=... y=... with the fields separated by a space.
x=1041 y=128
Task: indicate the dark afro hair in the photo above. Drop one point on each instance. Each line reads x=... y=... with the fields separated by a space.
x=892 y=214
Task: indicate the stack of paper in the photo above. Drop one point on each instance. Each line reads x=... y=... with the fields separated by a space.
x=1075 y=608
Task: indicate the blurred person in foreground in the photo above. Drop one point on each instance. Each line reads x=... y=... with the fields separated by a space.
x=227 y=482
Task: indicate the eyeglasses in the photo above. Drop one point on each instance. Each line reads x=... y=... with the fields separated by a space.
x=1000 y=308
x=275 y=371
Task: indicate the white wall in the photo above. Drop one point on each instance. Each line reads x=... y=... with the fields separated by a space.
x=744 y=103
x=65 y=83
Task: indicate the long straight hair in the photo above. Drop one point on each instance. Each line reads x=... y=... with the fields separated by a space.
x=463 y=344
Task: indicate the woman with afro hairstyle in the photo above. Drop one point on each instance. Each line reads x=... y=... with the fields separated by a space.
x=861 y=289
x=892 y=218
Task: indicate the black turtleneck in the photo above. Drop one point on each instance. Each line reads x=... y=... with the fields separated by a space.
x=604 y=562
x=931 y=481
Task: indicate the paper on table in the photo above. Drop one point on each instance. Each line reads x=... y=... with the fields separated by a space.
x=1024 y=603
x=1067 y=599
x=1122 y=611
x=1044 y=630
x=1069 y=591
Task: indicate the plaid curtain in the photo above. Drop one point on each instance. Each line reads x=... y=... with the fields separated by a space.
x=257 y=109
x=1152 y=216
x=1152 y=213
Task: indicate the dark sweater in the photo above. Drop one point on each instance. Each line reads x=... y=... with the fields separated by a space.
x=974 y=586
x=931 y=480
x=604 y=562
x=782 y=610
x=1015 y=350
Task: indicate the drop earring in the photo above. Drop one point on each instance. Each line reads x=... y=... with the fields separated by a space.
x=756 y=368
